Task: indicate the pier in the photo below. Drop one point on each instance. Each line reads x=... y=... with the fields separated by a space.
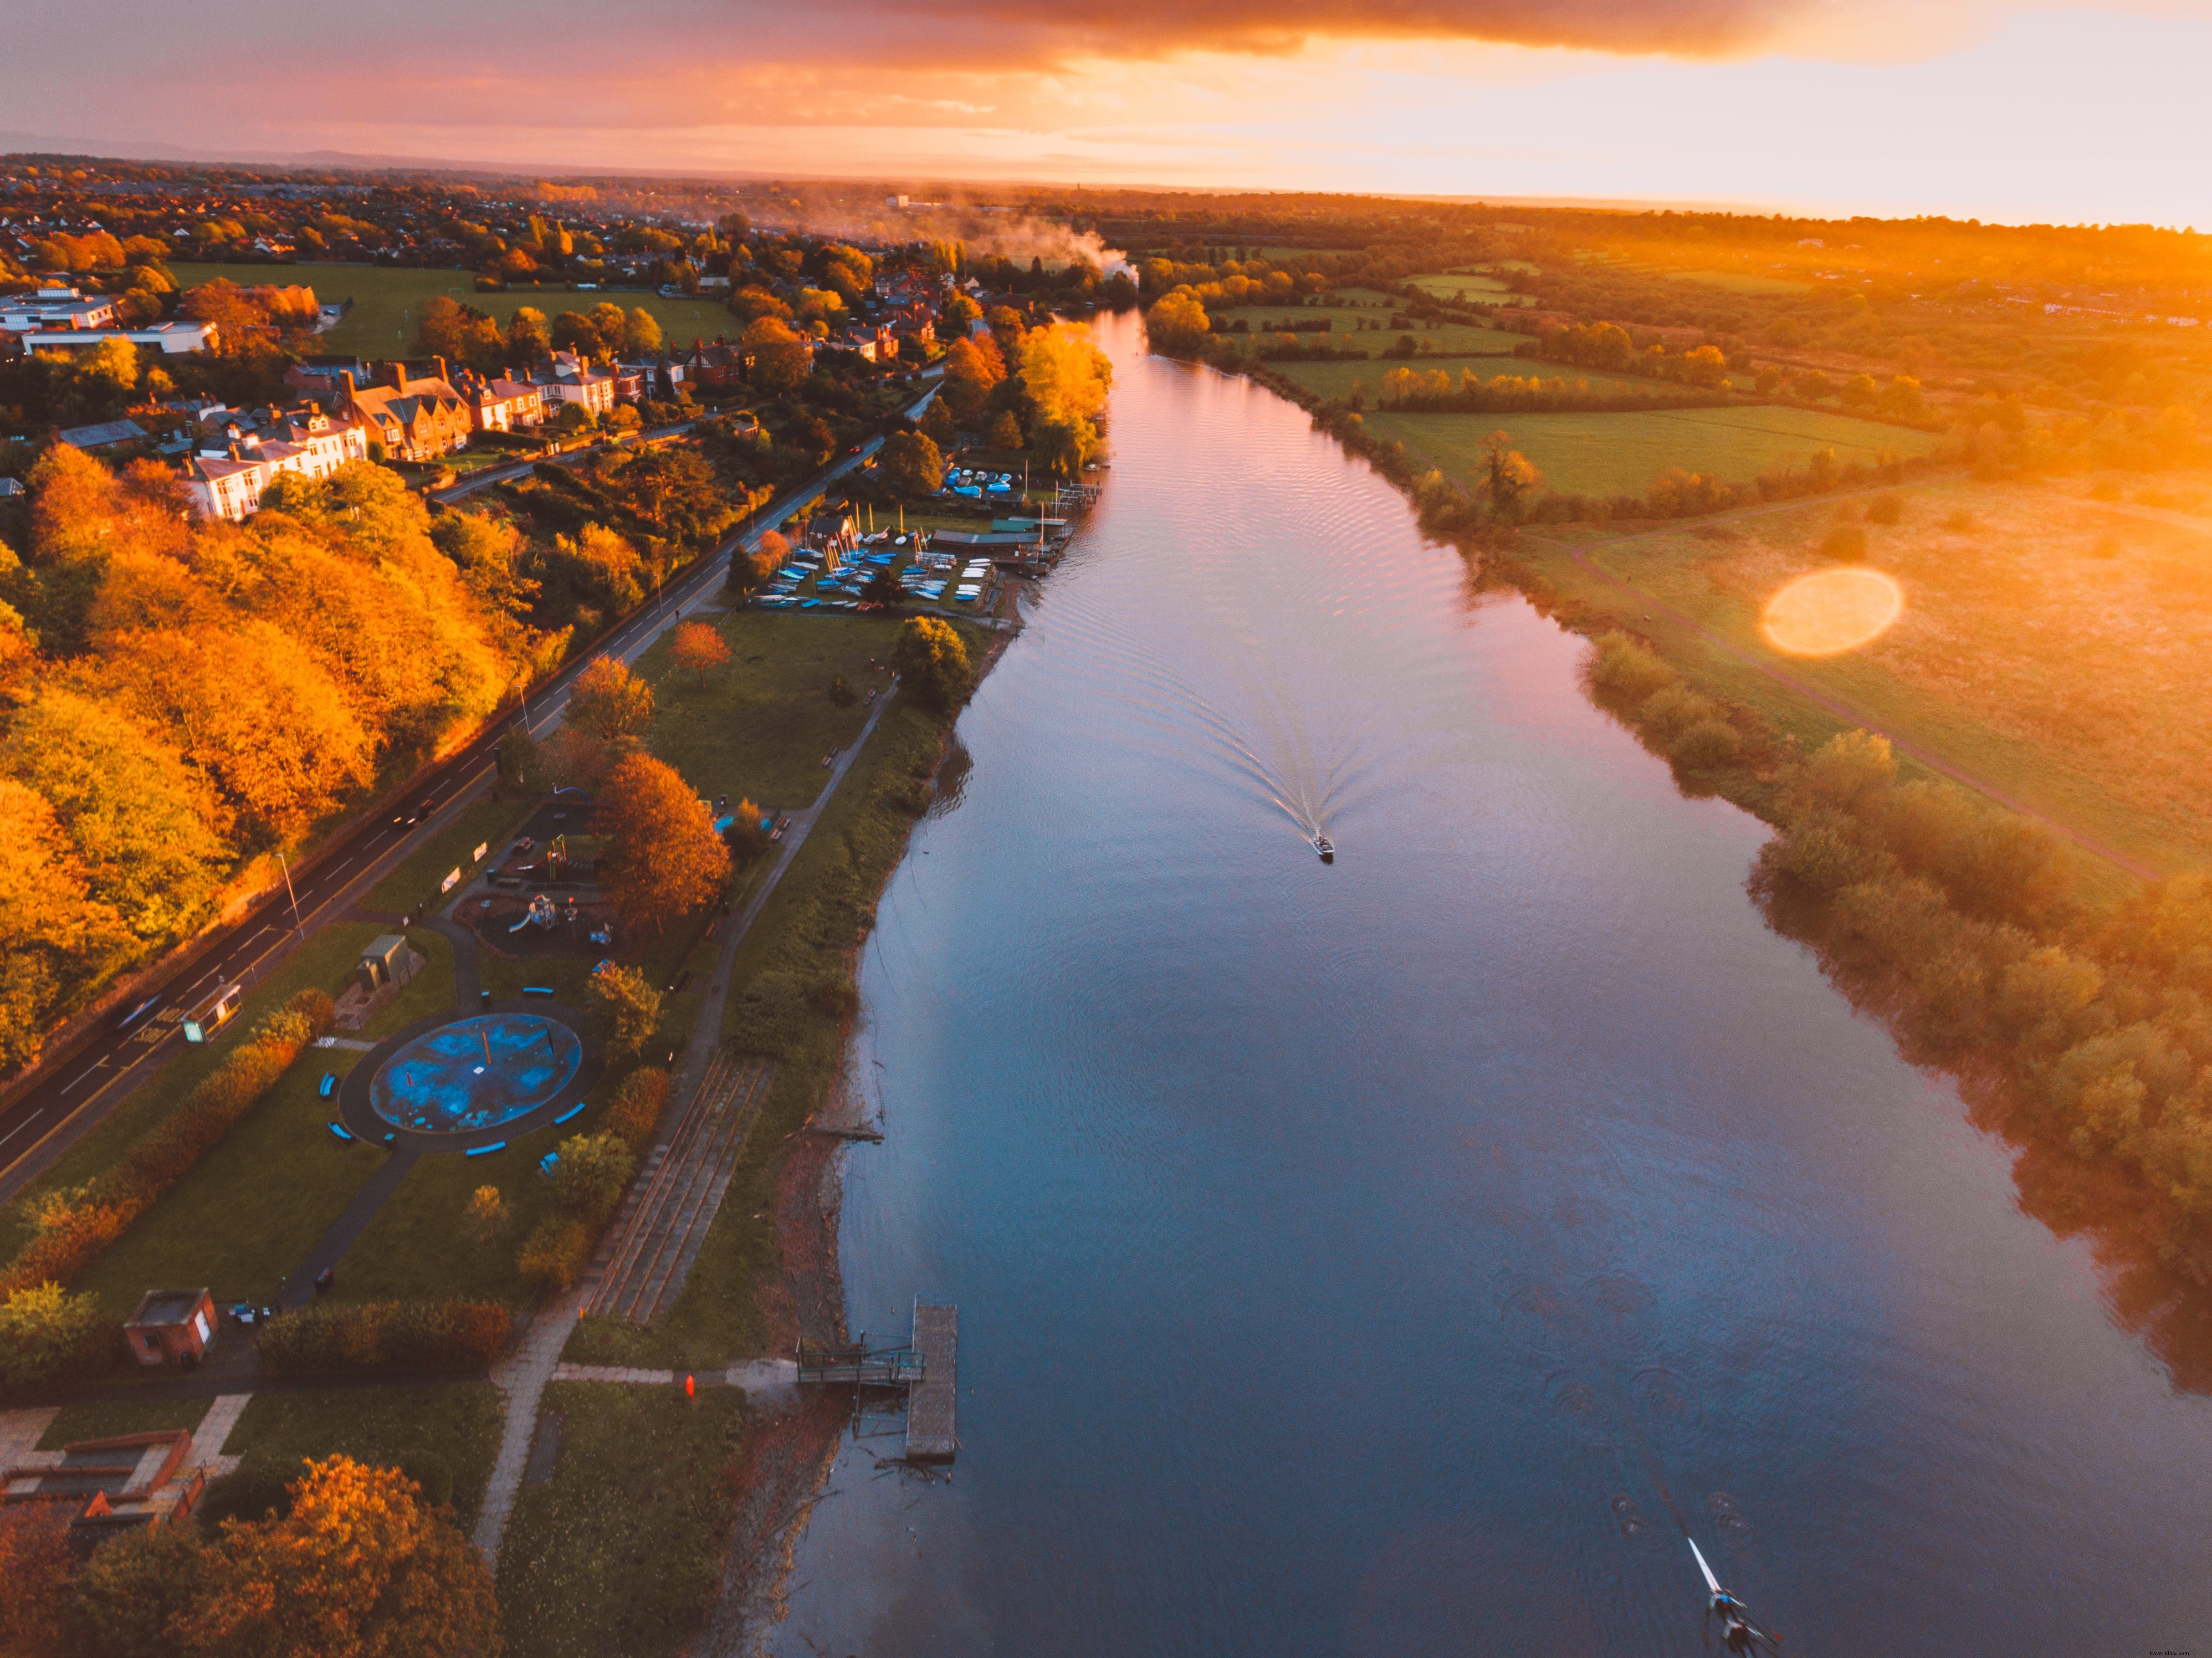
x=927 y=1369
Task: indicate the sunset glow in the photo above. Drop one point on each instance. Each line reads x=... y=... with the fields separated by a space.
x=1832 y=611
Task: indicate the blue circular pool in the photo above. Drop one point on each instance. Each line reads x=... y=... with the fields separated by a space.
x=475 y=1073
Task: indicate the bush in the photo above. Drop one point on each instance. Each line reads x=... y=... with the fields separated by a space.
x=554 y=1255
x=773 y=1014
x=636 y=1109
x=252 y=1491
x=47 y=1333
x=588 y=1179
x=1622 y=673
x=71 y=1240
x=385 y=1335
x=1846 y=541
x=1706 y=745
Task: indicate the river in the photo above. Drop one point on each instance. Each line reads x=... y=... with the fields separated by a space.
x=1395 y=1258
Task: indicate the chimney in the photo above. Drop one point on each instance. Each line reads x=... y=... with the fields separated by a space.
x=347 y=376
x=397 y=373
x=438 y=368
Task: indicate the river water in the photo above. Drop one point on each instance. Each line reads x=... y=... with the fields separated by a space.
x=1397 y=1258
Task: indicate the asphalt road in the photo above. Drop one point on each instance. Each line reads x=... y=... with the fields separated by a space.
x=75 y=1092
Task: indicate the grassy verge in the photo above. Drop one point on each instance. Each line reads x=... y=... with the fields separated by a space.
x=803 y=938
x=108 y=1419
x=622 y=1551
x=415 y=878
x=456 y=1421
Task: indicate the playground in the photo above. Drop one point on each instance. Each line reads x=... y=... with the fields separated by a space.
x=475 y=1073
x=564 y=925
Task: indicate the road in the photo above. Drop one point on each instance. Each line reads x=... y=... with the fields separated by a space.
x=78 y=1090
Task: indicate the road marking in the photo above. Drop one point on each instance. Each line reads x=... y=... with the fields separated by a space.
x=21 y=1126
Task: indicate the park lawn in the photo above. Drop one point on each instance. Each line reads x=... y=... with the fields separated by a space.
x=758 y=727
x=394 y=1426
x=414 y=880
x=804 y=937
x=388 y=298
x=2049 y=645
x=622 y=1550
x=1336 y=379
x=249 y=1210
x=324 y=961
x=1616 y=454
x=111 y=1418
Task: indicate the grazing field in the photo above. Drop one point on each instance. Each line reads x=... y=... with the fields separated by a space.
x=386 y=299
x=1738 y=281
x=1482 y=290
x=2049 y=643
x=1619 y=454
x=1335 y=378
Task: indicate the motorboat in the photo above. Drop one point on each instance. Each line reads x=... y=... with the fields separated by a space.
x=1326 y=847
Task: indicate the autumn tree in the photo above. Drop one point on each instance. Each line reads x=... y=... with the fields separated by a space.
x=973 y=368
x=463 y=335
x=52 y=931
x=699 y=649
x=661 y=857
x=932 y=663
x=673 y=489
x=1177 y=324
x=488 y=1214
x=529 y=338
x=1509 y=476
x=628 y=1006
x=938 y=424
x=779 y=358
x=361 y=1564
x=608 y=702
x=911 y=464
x=1005 y=432
x=644 y=333
x=45 y=1332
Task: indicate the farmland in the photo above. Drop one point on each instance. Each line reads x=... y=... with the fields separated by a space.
x=2044 y=634
x=1335 y=378
x=1601 y=454
x=388 y=298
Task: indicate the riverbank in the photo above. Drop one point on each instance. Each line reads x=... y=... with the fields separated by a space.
x=1985 y=877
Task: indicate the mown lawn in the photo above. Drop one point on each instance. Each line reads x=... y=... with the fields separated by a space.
x=414 y=879
x=109 y=1418
x=758 y=729
x=622 y=1550
x=457 y=1423
x=252 y=1208
x=2050 y=644
x=1600 y=455
x=387 y=300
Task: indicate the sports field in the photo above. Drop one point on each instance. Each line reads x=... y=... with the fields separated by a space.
x=386 y=298
x=2050 y=644
x=1619 y=454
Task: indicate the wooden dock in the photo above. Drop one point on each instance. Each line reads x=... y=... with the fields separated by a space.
x=930 y=1435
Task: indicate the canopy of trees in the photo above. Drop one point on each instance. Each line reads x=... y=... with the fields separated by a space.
x=661 y=858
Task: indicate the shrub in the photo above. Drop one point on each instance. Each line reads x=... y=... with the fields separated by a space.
x=1622 y=673
x=46 y=1334
x=385 y=1335
x=167 y=1151
x=839 y=997
x=253 y=1490
x=773 y=1014
x=1668 y=714
x=588 y=1179
x=628 y=1008
x=1706 y=745
x=555 y=1254
x=636 y=1109
x=1846 y=541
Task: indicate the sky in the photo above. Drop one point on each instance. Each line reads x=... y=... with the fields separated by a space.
x=1975 y=108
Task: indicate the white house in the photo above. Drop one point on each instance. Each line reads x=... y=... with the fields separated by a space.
x=237 y=461
x=571 y=379
x=55 y=308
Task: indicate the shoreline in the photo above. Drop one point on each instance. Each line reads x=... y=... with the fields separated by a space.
x=789 y=1459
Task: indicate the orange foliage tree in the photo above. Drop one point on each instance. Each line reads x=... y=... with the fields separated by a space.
x=699 y=649
x=608 y=702
x=662 y=856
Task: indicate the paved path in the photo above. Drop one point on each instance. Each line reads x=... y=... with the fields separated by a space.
x=214 y=1432
x=345 y=1231
x=19 y=1434
x=521 y=1378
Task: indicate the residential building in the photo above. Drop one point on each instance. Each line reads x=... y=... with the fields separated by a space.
x=415 y=419
x=570 y=378
x=105 y=435
x=503 y=404
x=240 y=455
x=174 y=339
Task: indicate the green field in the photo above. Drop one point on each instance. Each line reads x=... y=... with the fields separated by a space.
x=386 y=298
x=414 y=879
x=1599 y=454
x=1479 y=289
x=1738 y=281
x=456 y=1421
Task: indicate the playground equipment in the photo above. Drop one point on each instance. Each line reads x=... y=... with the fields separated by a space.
x=543 y=912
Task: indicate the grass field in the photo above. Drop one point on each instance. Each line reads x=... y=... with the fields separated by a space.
x=1619 y=454
x=456 y=1421
x=252 y=1208
x=111 y=1418
x=414 y=879
x=759 y=727
x=2050 y=645
x=1738 y=281
x=622 y=1550
x=386 y=298
x=1481 y=290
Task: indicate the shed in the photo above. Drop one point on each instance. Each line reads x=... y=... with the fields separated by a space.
x=171 y=1326
x=385 y=962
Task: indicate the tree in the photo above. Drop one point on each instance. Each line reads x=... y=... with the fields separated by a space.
x=911 y=464
x=936 y=423
x=489 y=1215
x=36 y=1564
x=628 y=1006
x=699 y=649
x=746 y=837
x=102 y=379
x=459 y=333
x=50 y=930
x=608 y=702
x=973 y=368
x=528 y=337
x=588 y=1179
x=779 y=358
x=932 y=663
x=520 y=765
x=675 y=491
x=644 y=333
x=1510 y=476
x=661 y=857
x=883 y=588
x=361 y=1565
x=1006 y=432
x=45 y=1332
x=1177 y=324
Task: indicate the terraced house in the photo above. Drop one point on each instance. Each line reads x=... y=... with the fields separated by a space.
x=414 y=419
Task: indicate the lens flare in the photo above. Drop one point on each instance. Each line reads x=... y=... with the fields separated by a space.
x=1831 y=612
